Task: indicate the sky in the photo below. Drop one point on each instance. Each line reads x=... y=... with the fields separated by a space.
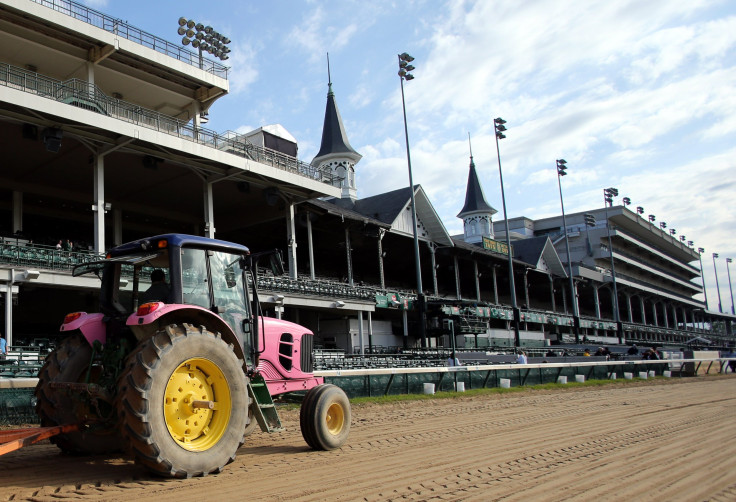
x=633 y=95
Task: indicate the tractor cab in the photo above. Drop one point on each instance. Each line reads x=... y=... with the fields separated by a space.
x=170 y=272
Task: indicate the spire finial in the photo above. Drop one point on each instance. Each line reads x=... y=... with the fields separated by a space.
x=329 y=77
x=470 y=147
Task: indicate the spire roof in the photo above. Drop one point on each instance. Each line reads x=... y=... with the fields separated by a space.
x=475 y=201
x=334 y=139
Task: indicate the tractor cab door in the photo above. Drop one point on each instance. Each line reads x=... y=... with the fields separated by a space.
x=215 y=280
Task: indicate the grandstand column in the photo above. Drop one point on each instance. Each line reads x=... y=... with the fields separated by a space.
x=526 y=287
x=654 y=313
x=381 y=233
x=209 y=211
x=349 y=256
x=360 y=332
x=674 y=317
x=564 y=299
x=310 y=245
x=643 y=310
x=457 y=277
x=370 y=332
x=291 y=239
x=495 y=284
x=9 y=308
x=17 y=212
x=628 y=307
x=477 y=280
x=406 y=328
x=664 y=314
x=432 y=248
x=597 y=301
x=99 y=206
x=552 y=291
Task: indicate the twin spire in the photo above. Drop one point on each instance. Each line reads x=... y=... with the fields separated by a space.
x=336 y=154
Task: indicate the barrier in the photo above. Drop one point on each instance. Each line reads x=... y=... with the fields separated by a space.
x=428 y=388
x=505 y=383
x=460 y=387
x=643 y=375
x=562 y=380
x=580 y=378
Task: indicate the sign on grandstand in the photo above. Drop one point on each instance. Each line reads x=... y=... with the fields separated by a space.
x=495 y=246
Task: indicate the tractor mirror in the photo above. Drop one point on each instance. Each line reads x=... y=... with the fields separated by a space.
x=276 y=262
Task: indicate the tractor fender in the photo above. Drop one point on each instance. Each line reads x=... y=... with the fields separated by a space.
x=146 y=325
x=91 y=326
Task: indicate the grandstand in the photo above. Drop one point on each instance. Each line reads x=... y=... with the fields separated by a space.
x=107 y=144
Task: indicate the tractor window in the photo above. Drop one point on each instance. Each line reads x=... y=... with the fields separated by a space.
x=194 y=288
x=228 y=289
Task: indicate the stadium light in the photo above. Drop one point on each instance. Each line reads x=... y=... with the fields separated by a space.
x=404 y=74
x=561 y=171
x=204 y=39
x=702 y=276
x=608 y=195
x=499 y=127
x=718 y=289
x=728 y=261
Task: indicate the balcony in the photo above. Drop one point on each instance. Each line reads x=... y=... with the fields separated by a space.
x=82 y=94
x=122 y=29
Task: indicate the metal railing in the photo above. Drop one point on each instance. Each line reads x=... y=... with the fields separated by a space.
x=87 y=96
x=123 y=29
x=46 y=257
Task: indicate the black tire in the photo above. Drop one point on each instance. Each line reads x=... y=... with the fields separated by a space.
x=252 y=425
x=165 y=374
x=69 y=363
x=325 y=417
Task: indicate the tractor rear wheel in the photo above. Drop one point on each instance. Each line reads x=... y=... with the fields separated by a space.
x=184 y=402
x=325 y=417
x=70 y=363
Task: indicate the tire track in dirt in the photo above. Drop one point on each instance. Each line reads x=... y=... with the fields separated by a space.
x=671 y=440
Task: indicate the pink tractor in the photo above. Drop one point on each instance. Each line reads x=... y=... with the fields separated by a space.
x=179 y=366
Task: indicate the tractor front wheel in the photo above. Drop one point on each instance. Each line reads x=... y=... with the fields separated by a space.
x=184 y=402
x=325 y=417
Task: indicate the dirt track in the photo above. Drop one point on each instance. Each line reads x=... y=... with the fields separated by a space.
x=669 y=440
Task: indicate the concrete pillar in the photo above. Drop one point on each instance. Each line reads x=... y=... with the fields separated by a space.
x=552 y=291
x=674 y=317
x=370 y=332
x=9 y=308
x=310 y=244
x=17 y=211
x=495 y=285
x=209 y=211
x=432 y=249
x=405 y=322
x=99 y=203
x=596 y=300
x=381 y=233
x=564 y=299
x=457 y=278
x=654 y=313
x=349 y=256
x=477 y=280
x=526 y=289
x=643 y=310
x=91 y=72
x=291 y=240
x=628 y=308
x=360 y=332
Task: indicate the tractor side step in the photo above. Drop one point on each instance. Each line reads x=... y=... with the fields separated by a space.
x=262 y=407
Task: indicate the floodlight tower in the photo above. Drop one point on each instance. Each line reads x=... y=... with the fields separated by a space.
x=204 y=38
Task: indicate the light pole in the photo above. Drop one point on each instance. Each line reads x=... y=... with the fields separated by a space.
x=730 y=288
x=404 y=69
x=499 y=127
x=718 y=289
x=702 y=275
x=589 y=222
x=608 y=195
x=561 y=171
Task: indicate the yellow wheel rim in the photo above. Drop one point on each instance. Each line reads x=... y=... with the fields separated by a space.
x=335 y=418
x=197 y=404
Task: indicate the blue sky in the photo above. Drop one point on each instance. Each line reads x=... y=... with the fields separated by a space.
x=634 y=95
